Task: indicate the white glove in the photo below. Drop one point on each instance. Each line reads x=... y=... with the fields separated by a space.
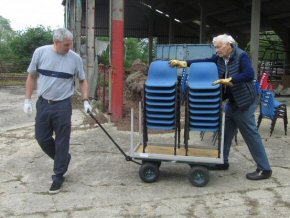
x=27 y=108
x=87 y=106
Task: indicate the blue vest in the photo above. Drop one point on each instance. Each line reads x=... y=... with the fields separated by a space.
x=241 y=94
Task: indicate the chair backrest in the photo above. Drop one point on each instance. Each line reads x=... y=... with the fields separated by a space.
x=258 y=87
x=203 y=72
x=160 y=73
x=267 y=106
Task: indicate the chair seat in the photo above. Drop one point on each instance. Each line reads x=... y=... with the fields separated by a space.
x=272 y=109
x=195 y=111
x=204 y=100
x=152 y=103
x=169 y=122
x=277 y=103
x=160 y=127
x=204 y=124
x=160 y=97
x=161 y=86
x=162 y=91
x=203 y=128
x=161 y=110
x=202 y=86
x=204 y=106
x=204 y=93
x=215 y=117
x=160 y=115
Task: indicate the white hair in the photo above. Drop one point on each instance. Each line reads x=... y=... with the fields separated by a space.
x=62 y=33
x=224 y=38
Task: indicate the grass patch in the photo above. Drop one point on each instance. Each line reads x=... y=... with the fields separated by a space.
x=12 y=79
x=12 y=83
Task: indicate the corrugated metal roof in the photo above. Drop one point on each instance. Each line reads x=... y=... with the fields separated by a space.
x=230 y=16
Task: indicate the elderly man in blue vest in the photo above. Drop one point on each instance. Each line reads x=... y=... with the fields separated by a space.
x=237 y=74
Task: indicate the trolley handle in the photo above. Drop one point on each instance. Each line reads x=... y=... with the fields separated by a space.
x=127 y=158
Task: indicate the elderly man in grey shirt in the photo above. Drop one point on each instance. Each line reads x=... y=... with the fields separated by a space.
x=53 y=68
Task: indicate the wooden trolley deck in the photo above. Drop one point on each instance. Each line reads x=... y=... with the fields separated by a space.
x=169 y=150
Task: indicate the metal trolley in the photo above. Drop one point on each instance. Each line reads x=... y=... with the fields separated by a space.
x=200 y=159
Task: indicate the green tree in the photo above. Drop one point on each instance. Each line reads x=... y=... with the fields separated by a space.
x=25 y=42
x=6 y=54
x=133 y=49
x=5 y=29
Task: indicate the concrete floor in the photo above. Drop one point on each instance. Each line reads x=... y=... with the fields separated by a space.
x=100 y=183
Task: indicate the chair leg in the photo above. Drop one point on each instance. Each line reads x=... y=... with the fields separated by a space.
x=215 y=137
x=178 y=120
x=259 y=120
x=175 y=140
x=285 y=121
x=285 y=125
x=273 y=123
x=236 y=137
x=186 y=125
x=201 y=135
x=145 y=130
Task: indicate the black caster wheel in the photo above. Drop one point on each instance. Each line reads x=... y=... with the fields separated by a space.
x=149 y=172
x=198 y=176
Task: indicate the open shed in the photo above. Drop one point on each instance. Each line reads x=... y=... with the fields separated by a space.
x=171 y=22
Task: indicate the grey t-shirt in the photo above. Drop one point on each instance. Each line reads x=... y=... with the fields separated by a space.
x=55 y=72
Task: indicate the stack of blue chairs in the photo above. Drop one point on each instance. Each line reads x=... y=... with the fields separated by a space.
x=161 y=109
x=203 y=100
x=272 y=109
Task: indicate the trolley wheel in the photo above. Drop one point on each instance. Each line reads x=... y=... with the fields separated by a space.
x=158 y=163
x=198 y=176
x=149 y=172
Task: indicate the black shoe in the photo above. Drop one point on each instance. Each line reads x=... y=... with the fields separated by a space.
x=65 y=172
x=54 y=188
x=259 y=174
x=224 y=166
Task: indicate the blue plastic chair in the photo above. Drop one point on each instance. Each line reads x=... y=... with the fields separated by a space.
x=160 y=74
x=258 y=87
x=203 y=100
x=160 y=96
x=272 y=109
x=202 y=75
x=161 y=107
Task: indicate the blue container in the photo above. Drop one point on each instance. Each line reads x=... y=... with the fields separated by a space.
x=184 y=51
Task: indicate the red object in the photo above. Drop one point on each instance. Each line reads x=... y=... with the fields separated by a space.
x=271 y=86
x=264 y=81
x=117 y=60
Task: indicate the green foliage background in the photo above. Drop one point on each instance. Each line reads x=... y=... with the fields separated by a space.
x=16 y=47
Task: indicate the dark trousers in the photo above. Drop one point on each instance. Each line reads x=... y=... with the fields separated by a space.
x=54 y=118
x=245 y=121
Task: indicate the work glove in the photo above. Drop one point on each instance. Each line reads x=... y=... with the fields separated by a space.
x=177 y=63
x=87 y=106
x=226 y=82
x=27 y=108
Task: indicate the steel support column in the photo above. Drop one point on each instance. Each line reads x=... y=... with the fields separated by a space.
x=255 y=33
x=202 y=27
x=90 y=33
x=117 y=52
x=150 y=37
x=78 y=26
